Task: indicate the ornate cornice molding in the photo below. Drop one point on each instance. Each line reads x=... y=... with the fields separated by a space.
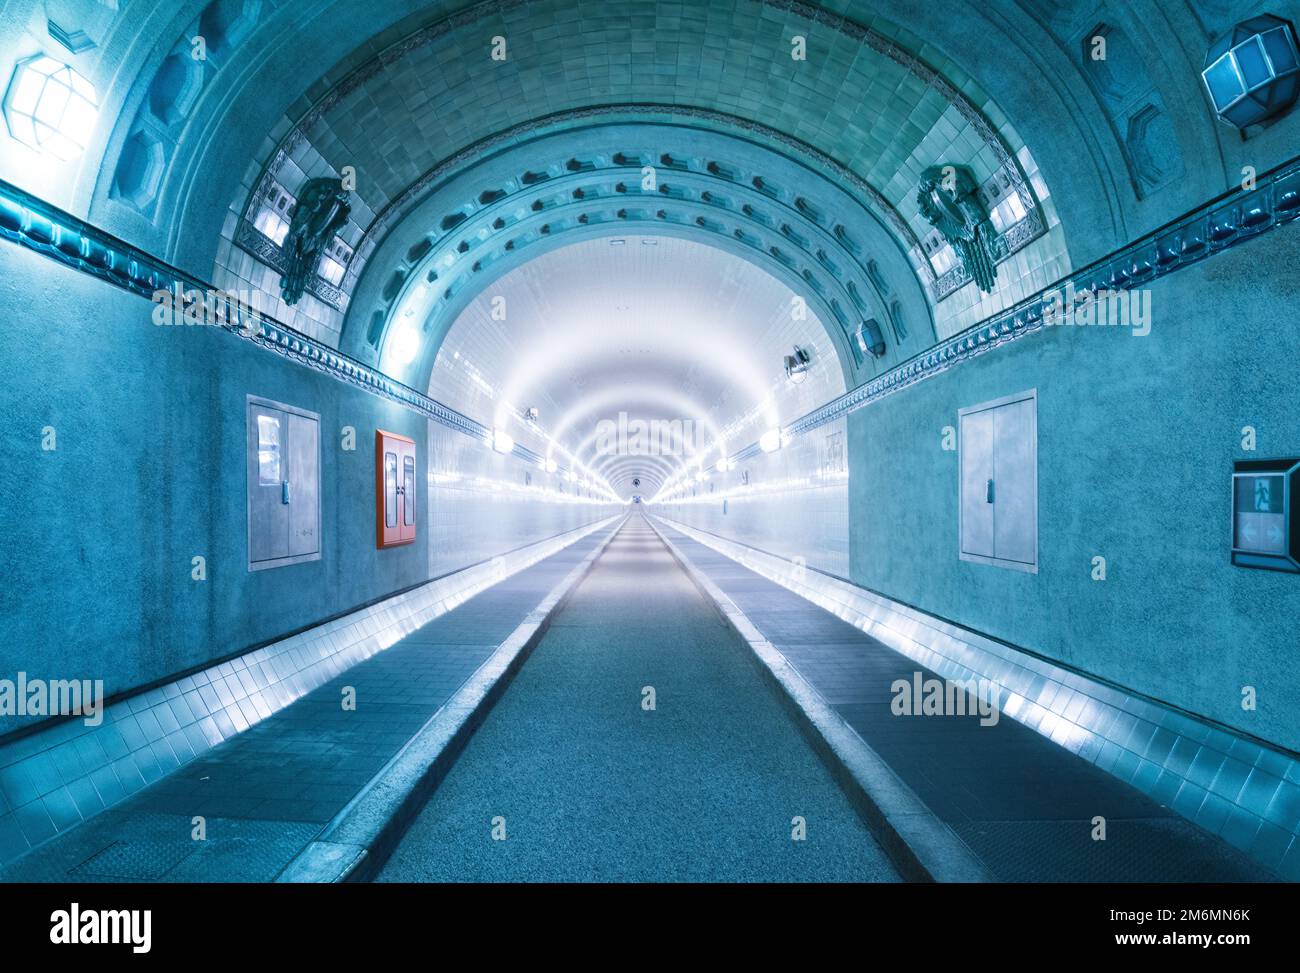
x=47 y=230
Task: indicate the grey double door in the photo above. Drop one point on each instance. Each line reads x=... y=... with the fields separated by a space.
x=999 y=482
x=283 y=484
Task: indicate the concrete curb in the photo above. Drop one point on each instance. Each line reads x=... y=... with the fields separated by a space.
x=355 y=844
x=920 y=845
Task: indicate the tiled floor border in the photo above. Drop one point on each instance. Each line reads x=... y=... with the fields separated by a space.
x=1234 y=787
x=55 y=778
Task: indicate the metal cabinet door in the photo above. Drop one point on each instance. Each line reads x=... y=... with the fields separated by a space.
x=1015 y=480
x=268 y=465
x=304 y=485
x=977 y=507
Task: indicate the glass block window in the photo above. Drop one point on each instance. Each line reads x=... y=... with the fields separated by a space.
x=333 y=264
x=943 y=260
x=1007 y=213
x=273 y=216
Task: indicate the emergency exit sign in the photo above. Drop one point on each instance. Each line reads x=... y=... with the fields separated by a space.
x=1265 y=531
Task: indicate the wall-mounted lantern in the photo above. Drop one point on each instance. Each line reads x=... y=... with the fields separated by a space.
x=50 y=107
x=871 y=339
x=1253 y=72
x=796 y=365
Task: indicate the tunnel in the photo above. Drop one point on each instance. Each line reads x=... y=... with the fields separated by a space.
x=649 y=441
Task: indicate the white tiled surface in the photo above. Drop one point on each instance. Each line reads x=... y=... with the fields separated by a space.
x=796 y=503
x=482 y=502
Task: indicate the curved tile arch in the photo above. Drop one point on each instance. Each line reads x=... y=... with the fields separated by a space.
x=871 y=39
x=593 y=404
x=396 y=210
x=713 y=348
x=615 y=394
x=770 y=223
x=577 y=231
x=832 y=253
x=650 y=472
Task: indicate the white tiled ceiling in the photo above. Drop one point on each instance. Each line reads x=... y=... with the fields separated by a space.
x=657 y=327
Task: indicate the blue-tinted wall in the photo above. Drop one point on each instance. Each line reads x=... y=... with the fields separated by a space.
x=97 y=536
x=150 y=469
x=1136 y=442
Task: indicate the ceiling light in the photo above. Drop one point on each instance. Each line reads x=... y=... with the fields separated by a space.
x=724 y=464
x=404 y=344
x=502 y=441
x=551 y=465
x=51 y=107
x=770 y=441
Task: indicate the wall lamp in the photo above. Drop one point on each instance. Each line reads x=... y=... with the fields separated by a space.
x=871 y=339
x=1253 y=72
x=51 y=107
x=796 y=365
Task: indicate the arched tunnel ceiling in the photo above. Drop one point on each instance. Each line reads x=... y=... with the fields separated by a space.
x=590 y=331
x=412 y=101
x=181 y=147
x=870 y=102
x=731 y=192
x=871 y=113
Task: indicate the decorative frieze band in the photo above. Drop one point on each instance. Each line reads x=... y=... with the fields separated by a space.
x=1218 y=226
x=39 y=226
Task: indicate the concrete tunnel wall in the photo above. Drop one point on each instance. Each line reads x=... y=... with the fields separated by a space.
x=1136 y=442
x=1119 y=418
x=150 y=448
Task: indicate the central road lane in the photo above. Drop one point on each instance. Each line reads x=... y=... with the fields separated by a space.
x=591 y=786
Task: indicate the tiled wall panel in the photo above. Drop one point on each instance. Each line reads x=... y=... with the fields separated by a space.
x=793 y=502
x=483 y=503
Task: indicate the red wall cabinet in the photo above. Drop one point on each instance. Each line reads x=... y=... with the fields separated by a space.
x=395 y=493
